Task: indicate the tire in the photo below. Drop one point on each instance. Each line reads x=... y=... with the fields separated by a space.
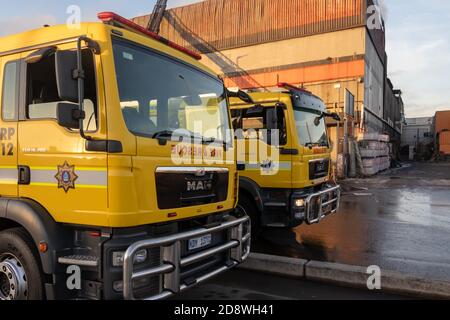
x=19 y=261
x=248 y=206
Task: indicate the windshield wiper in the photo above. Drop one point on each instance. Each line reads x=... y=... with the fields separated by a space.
x=169 y=133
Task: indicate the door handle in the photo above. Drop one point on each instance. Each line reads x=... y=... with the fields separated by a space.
x=24 y=175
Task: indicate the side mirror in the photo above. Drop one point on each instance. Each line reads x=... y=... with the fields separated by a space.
x=244 y=96
x=66 y=114
x=66 y=63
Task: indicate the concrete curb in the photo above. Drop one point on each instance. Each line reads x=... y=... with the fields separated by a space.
x=347 y=275
x=283 y=266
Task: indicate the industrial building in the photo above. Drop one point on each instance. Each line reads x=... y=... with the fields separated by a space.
x=418 y=138
x=329 y=47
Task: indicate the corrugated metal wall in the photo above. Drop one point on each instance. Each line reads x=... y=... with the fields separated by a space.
x=442 y=121
x=444 y=142
x=228 y=24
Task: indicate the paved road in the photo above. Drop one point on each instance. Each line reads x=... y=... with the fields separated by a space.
x=246 y=285
x=399 y=221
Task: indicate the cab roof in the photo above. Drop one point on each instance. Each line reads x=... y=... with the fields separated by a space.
x=299 y=98
x=263 y=98
x=59 y=34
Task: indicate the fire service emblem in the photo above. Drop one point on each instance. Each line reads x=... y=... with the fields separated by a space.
x=66 y=177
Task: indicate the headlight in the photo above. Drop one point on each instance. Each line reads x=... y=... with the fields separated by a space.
x=300 y=203
x=118 y=256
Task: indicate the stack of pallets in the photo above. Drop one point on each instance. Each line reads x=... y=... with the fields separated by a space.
x=374 y=150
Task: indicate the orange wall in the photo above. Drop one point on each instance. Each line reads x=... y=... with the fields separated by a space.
x=332 y=71
x=444 y=142
x=442 y=121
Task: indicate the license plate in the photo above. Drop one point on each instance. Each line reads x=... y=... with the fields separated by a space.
x=200 y=242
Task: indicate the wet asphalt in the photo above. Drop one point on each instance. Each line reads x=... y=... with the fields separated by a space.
x=248 y=285
x=398 y=220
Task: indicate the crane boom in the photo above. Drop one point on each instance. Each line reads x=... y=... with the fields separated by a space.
x=154 y=24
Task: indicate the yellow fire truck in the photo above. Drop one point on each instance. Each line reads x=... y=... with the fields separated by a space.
x=291 y=183
x=92 y=204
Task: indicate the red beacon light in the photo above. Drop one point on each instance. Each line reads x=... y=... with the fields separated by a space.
x=288 y=86
x=119 y=21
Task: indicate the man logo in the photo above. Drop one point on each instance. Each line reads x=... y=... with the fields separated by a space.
x=199 y=186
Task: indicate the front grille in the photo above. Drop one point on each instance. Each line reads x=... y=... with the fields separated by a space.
x=187 y=187
x=318 y=169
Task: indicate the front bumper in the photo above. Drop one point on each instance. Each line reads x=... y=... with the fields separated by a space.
x=236 y=248
x=321 y=204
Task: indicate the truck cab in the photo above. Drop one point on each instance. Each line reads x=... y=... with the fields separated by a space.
x=109 y=189
x=286 y=180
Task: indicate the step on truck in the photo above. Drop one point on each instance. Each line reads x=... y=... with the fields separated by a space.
x=289 y=183
x=94 y=202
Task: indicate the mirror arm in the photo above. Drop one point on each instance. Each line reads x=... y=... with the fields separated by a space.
x=79 y=75
x=335 y=116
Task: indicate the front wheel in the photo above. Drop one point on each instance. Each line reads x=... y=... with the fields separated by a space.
x=246 y=206
x=20 y=272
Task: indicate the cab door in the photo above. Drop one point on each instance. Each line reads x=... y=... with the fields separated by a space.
x=267 y=161
x=9 y=84
x=55 y=168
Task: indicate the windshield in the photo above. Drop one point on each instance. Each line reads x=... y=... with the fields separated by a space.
x=311 y=128
x=159 y=95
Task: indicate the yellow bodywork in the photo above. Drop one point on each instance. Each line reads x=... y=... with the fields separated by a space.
x=123 y=191
x=293 y=171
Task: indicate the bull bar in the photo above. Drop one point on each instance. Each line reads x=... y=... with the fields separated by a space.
x=315 y=205
x=172 y=262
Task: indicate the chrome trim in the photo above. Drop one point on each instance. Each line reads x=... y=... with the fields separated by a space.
x=319 y=160
x=275 y=204
x=310 y=216
x=192 y=170
x=170 y=268
x=205 y=254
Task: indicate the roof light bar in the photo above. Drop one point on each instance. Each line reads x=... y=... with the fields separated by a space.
x=119 y=21
x=286 y=85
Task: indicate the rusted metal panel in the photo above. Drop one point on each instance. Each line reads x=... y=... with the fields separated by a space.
x=229 y=24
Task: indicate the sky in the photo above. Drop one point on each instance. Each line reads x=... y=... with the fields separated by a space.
x=417 y=31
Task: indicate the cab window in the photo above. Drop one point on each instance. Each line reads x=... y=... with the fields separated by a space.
x=255 y=121
x=42 y=91
x=10 y=91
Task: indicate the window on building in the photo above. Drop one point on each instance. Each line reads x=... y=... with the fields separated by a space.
x=42 y=91
x=10 y=91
